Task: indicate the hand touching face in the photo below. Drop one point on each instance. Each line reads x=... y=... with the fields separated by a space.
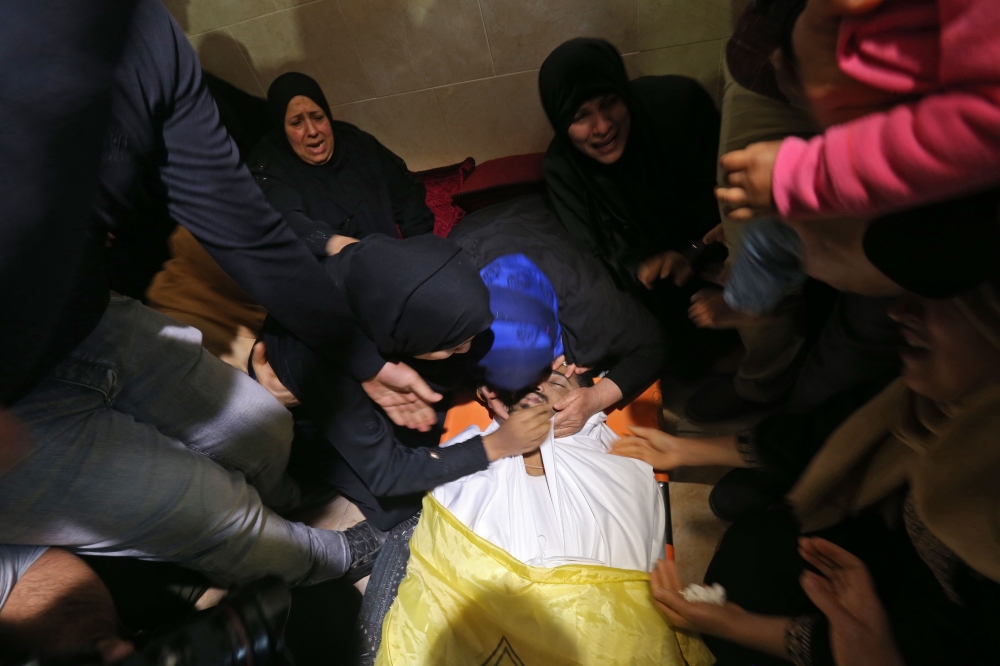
x=548 y=391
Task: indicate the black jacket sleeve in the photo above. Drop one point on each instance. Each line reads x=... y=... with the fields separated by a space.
x=286 y=200
x=213 y=195
x=603 y=326
x=408 y=196
x=364 y=437
x=636 y=347
x=59 y=63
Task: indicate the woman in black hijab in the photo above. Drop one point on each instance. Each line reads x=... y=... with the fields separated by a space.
x=631 y=172
x=419 y=299
x=328 y=178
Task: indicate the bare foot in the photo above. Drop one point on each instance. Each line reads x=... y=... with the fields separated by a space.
x=709 y=310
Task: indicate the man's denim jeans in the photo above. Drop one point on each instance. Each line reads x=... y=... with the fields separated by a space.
x=148 y=446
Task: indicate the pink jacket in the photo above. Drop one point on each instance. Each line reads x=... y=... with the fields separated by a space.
x=944 y=142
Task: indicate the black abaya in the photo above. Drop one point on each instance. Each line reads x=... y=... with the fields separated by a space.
x=659 y=196
x=363 y=189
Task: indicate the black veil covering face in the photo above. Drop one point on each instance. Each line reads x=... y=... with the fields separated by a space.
x=413 y=296
x=410 y=296
x=660 y=194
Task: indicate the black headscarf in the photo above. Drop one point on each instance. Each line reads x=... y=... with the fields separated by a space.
x=362 y=189
x=414 y=296
x=285 y=88
x=576 y=71
x=660 y=194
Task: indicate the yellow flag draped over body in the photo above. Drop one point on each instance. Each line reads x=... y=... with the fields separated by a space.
x=466 y=602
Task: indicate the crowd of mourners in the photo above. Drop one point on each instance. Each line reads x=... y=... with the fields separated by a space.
x=837 y=221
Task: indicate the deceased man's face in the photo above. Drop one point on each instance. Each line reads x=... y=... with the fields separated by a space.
x=548 y=391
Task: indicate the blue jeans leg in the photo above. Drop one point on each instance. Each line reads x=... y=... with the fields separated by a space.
x=134 y=433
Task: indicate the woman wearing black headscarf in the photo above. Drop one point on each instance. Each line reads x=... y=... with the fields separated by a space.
x=631 y=172
x=419 y=299
x=328 y=178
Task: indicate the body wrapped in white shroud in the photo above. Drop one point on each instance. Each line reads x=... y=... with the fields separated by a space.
x=607 y=508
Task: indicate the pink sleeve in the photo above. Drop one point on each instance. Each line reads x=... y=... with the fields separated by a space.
x=939 y=146
x=943 y=144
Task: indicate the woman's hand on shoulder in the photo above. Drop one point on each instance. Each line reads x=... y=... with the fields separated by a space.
x=749 y=174
x=664 y=265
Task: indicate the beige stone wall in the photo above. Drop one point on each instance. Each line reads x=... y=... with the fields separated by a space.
x=439 y=80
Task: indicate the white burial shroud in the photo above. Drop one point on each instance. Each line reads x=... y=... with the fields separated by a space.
x=607 y=509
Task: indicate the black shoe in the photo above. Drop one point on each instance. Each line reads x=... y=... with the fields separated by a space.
x=365 y=543
x=743 y=492
x=718 y=400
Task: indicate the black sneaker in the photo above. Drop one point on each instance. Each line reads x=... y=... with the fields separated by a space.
x=365 y=543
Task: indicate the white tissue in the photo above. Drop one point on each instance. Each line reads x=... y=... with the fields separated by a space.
x=705 y=594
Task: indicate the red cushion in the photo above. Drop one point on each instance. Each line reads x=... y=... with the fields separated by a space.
x=502 y=179
x=441 y=184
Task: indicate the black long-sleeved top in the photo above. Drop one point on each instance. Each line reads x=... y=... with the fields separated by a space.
x=59 y=61
x=364 y=189
x=359 y=450
x=603 y=327
x=166 y=140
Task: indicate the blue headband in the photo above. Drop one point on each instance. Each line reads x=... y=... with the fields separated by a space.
x=526 y=331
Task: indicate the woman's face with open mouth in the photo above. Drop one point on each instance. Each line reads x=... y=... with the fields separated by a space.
x=600 y=128
x=308 y=130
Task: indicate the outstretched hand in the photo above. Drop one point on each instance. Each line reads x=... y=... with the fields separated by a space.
x=749 y=174
x=404 y=395
x=652 y=446
x=860 y=633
